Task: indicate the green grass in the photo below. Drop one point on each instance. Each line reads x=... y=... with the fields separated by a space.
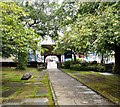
x=46 y=81
x=12 y=76
x=107 y=85
x=4 y=88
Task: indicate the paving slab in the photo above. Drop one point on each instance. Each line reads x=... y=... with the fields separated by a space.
x=35 y=101
x=42 y=91
x=27 y=101
x=43 y=72
x=69 y=91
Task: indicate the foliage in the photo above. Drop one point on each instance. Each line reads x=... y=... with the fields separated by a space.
x=17 y=39
x=97 y=67
x=41 y=18
x=86 y=27
x=22 y=60
x=78 y=67
x=85 y=66
x=67 y=64
x=75 y=67
x=37 y=17
x=96 y=29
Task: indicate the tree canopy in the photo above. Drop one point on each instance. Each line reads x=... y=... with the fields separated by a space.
x=87 y=26
x=96 y=29
x=17 y=39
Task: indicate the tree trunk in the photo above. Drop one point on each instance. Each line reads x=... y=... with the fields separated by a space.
x=102 y=60
x=22 y=60
x=73 y=51
x=74 y=57
x=117 y=60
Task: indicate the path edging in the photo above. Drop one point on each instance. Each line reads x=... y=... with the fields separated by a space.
x=53 y=92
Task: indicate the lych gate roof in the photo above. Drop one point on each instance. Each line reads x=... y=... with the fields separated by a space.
x=47 y=43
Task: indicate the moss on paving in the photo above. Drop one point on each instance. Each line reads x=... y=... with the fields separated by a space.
x=11 y=79
x=107 y=85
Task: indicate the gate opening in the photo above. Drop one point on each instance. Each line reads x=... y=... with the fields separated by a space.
x=52 y=62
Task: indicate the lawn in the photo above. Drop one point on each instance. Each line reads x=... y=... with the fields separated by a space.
x=106 y=85
x=13 y=88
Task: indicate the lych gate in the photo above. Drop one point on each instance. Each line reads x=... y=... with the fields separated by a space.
x=49 y=57
x=58 y=56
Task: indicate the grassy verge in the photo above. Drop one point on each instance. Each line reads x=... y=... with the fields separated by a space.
x=107 y=85
x=14 y=88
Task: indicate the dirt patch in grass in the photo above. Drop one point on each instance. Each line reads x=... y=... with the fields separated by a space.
x=13 y=101
x=12 y=88
x=41 y=91
x=8 y=93
x=83 y=78
x=14 y=84
x=91 y=78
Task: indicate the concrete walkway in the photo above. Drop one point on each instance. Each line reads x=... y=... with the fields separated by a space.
x=69 y=91
x=52 y=65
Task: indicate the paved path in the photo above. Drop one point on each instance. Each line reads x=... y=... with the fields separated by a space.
x=52 y=65
x=69 y=91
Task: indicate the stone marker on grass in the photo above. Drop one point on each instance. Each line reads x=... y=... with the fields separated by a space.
x=26 y=76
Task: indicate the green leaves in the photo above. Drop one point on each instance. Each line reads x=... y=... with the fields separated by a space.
x=16 y=37
x=96 y=28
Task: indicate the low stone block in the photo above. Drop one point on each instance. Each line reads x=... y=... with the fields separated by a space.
x=26 y=76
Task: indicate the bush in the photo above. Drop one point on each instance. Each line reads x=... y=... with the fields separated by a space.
x=109 y=67
x=93 y=62
x=67 y=64
x=85 y=66
x=84 y=63
x=75 y=67
x=97 y=67
x=100 y=68
x=78 y=61
x=92 y=67
x=79 y=67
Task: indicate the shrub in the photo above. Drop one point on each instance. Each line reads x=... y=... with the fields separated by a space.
x=84 y=63
x=75 y=67
x=97 y=67
x=92 y=67
x=84 y=68
x=67 y=64
x=78 y=61
x=93 y=62
x=79 y=67
x=100 y=68
x=109 y=67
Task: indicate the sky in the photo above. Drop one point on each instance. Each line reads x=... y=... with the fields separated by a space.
x=47 y=41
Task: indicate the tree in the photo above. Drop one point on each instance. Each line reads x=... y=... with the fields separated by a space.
x=105 y=31
x=76 y=38
x=41 y=18
x=96 y=29
x=108 y=37
x=17 y=39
